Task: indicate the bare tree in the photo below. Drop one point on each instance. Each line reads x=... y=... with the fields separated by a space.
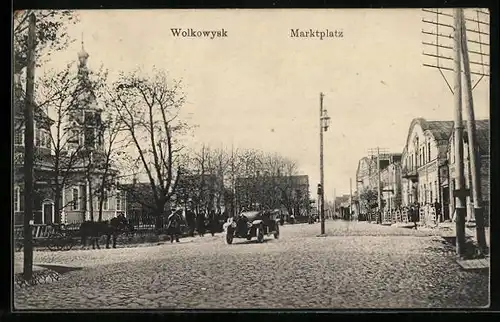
x=148 y=108
x=59 y=98
x=112 y=151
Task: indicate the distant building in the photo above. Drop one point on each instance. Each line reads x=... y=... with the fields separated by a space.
x=200 y=191
x=483 y=138
x=289 y=192
x=367 y=176
x=391 y=187
x=140 y=202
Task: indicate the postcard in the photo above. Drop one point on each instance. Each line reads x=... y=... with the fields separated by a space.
x=282 y=159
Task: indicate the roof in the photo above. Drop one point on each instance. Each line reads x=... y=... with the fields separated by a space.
x=483 y=135
x=440 y=130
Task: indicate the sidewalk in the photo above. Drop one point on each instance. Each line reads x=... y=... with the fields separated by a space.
x=18 y=267
x=448 y=229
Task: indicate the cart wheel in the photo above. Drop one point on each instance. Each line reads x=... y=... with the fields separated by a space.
x=70 y=242
x=53 y=242
x=61 y=243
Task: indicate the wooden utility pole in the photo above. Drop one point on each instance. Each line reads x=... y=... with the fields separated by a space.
x=475 y=163
x=28 y=151
x=322 y=195
x=460 y=193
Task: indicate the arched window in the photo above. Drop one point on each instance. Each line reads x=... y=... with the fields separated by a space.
x=118 y=201
x=76 y=198
x=48 y=140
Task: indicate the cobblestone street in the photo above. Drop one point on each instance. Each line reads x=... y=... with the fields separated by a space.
x=358 y=265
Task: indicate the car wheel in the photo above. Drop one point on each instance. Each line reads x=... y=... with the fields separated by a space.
x=260 y=235
x=229 y=237
x=277 y=232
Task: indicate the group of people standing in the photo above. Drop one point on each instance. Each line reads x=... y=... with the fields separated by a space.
x=414 y=211
x=200 y=221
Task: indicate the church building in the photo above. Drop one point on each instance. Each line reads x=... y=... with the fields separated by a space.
x=77 y=164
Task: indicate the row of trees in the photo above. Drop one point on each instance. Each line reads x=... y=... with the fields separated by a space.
x=241 y=178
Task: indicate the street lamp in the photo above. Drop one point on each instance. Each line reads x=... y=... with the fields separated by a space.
x=324 y=122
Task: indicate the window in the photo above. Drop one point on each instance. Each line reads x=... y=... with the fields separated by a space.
x=16 y=198
x=90 y=137
x=41 y=138
x=105 y=204
x=21 y=199
x=428 y=151
x=118 y=201
x=19 y=137
x=48 y=140
x=437 y=190
x=74 y=136
x=76 y=199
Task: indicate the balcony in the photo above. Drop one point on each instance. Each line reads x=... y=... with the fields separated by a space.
x=410 y=173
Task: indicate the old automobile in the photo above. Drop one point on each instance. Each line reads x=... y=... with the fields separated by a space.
x=252 y=224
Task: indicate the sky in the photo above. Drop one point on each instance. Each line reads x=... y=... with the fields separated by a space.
x=259 y=88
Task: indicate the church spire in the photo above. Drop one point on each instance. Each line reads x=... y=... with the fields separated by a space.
x=83 y=55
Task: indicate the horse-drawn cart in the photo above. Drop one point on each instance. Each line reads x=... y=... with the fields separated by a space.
x=55 y=237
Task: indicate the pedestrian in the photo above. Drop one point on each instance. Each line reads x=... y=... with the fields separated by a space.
x=437 y=209
x=191 y=221
x=200 y=223
x=174 y=225
x=414 y=215
x=212 y=222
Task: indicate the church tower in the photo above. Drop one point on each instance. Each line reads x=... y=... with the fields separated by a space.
x=85 y=120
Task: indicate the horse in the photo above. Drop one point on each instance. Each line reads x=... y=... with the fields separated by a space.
x=112 y=228
x=174 y=225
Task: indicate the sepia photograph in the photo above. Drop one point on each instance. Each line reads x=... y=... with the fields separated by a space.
x=239 y=159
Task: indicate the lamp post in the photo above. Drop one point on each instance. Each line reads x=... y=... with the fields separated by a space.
x=324 y=122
